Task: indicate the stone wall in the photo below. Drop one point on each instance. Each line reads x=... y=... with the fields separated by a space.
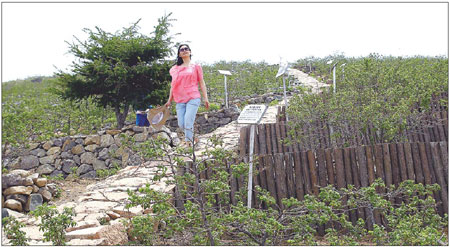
x=209 y=121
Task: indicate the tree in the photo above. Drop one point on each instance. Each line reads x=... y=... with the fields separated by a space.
x=121 y=69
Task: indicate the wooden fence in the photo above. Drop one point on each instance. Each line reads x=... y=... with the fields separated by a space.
x=295 y=174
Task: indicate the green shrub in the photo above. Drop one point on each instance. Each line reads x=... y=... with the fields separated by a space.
x=12 y=231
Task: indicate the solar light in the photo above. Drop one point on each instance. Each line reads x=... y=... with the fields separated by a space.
x=225 y=73
x=282 y=71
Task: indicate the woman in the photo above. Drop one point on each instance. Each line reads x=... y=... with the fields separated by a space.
x=184 y=91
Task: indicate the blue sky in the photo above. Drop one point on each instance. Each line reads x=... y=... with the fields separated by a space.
x=34 y=34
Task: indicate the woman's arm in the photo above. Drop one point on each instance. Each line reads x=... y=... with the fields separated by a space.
x=169 y=102
x=204 y=92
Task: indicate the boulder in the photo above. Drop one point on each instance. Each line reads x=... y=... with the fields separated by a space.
x=104 y=154
x=55 y=173
x=99 y=165
x=40 y=182
x=45 y=169
x=14 y=205
x=28 y=162
x=53 y=150
x=77 y=159
x=114 y=234
x=88 y=158
x=38 y=152
x=33 y=176
x=33 y=202
x=140 y=137
x=47 y=159
x=18 y=197
x=92 y=140
x=4 y=213
x=57 y=142
x=27 y=182
x=79 y=141
x=67 y=166
x=106 y=140
x=47 y=145
x=66 y=155
x=84 y=168
x=91 y=148
x=68 y=145
x=78 y=149
x=9 y=180
x=32 y=146
x=91 y=174
x=35 y=189
x=46 y=195
x=112 y=132
x=23 y=190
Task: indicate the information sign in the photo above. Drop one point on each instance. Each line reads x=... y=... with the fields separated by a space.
x=251 y=114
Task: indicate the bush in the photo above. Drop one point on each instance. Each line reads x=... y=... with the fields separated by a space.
x=12 y=231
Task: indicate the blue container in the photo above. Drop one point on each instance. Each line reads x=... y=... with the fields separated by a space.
x=141 y=120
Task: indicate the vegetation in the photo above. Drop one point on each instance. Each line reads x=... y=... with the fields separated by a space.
x=121 y=69
x=385 y=94
x=12 y=231
x=208 y=217
x=53 y=223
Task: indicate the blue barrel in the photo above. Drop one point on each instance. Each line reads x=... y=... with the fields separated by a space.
x=141 y=119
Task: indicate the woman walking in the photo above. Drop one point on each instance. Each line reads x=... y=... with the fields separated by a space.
x=184 y=91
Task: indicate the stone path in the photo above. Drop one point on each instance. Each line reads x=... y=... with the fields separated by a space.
x=106 y=199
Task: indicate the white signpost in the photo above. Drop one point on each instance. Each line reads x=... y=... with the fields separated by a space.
x=281 y=72
x=225 y=73
x=251 y=114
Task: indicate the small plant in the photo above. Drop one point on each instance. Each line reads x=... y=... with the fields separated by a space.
x=58 y=177
x=103 y=221
x=74 y=172
x=12 y=230
x=54 y=224
x=103 y=173
x=274 y=102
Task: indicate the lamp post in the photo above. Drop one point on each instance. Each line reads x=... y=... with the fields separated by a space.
x=334 y=75
x=343 y=74
x=225 y=73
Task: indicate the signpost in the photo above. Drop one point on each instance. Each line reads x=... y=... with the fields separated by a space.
x=334 y=75
x=225 y=73
x=251 y=114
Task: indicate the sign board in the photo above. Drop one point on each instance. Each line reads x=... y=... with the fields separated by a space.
x=251 y=114
x=224 y=72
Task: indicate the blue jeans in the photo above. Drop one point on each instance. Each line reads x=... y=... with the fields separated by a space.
x=186 y=117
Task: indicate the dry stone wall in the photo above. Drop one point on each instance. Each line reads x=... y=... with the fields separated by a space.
x=24 y=187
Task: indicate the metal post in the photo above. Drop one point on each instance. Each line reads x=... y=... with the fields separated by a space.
x=226 y=93
x=334 y=79
x=285 y=97
x=250 y=170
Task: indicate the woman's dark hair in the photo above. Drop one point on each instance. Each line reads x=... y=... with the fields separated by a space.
x=179 y=59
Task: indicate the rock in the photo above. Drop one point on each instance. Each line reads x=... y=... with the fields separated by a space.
x=18 y=197
x=41 y=182
x=99 y=165
x=112 y=132
x=46 y=195
x=67 y=166
x=9 y=180
x=128 y=213
x=47 y=145
x=106 y=140
x=78 y=149
x=53 y=150
x=77 y=159
x=27 y=182
x=55 y=173
x=85 y=242
x=66 y=155
x=24 y=190
x=104 y=154
x=52 y=188
x=32 y=146
x=82 y=225
x=138 y=129
x=45 y=169
x=38 y=152
x=33 y=176
x=140 y=137
x=114 y=234
x=35 y=189
x=79 y=141
x=88 y=233
x=84 y=168
x=20 y=172
x=91 y=174
x=28 y=162
x=14 y=205
x=91 y=148
x=113 y=215
x=33 y=202
x=88 y=158
x=4 y=213
x=57 y=142
x=47 y=159
x=135 y=160
x=68 y=145
x=92 y=140
x=57 y=164
x=201 y=120
x=224 y=121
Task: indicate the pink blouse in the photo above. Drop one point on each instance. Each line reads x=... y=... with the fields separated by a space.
x=185 y=82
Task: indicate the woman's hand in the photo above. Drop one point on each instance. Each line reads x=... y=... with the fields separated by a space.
x=168 y=104
x=207 y=104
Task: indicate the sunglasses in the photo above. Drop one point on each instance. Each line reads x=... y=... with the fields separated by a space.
x=184 y=49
